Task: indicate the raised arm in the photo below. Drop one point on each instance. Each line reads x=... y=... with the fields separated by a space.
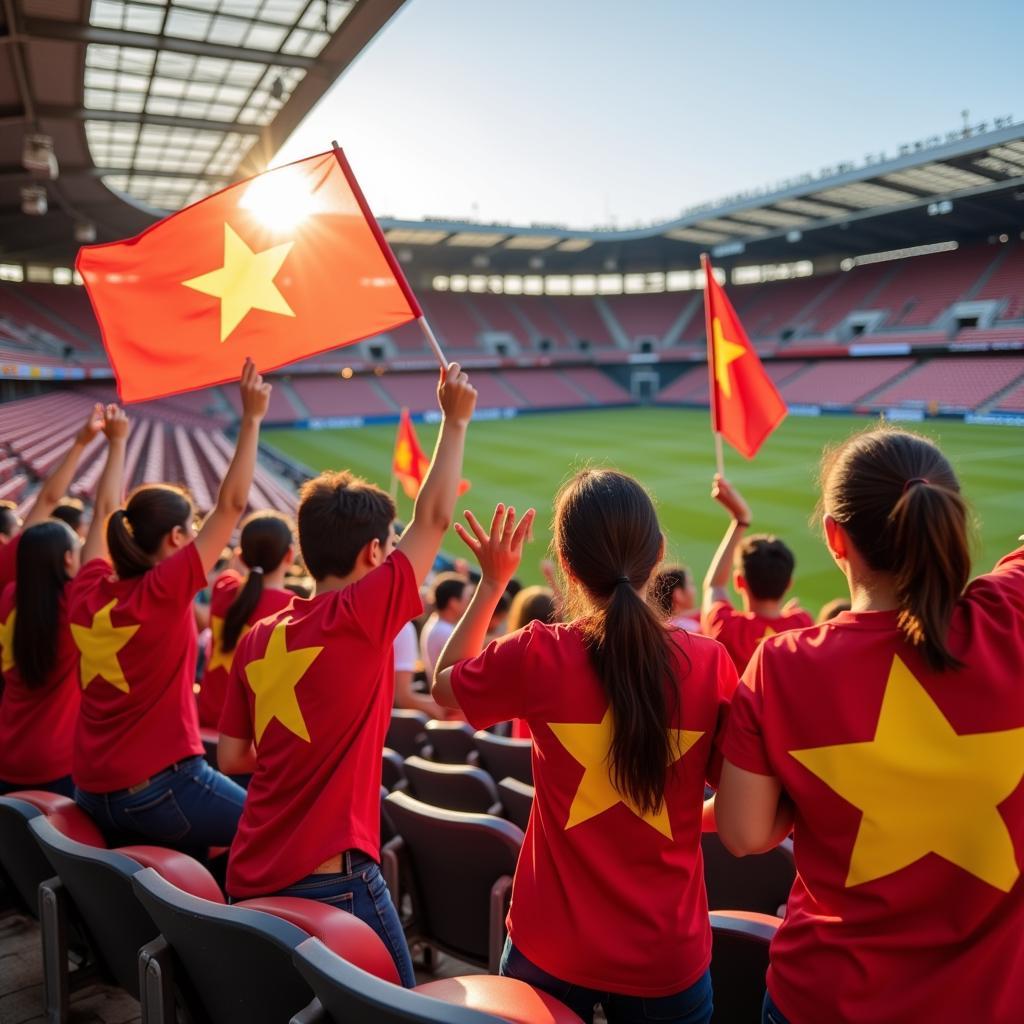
x=716 y=581
x=56 y=485
x=110 y=488
x=435 y=504
x=498 y=553
x=233 y=495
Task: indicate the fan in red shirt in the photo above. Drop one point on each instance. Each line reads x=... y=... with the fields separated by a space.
x=310 y=694
x=763 y=573
x=266 y=549
x=891 y=739
x=40 y=664
x=608 y=902
x=138 y=764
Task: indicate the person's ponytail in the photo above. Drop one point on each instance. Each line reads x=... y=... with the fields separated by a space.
x=244 y=604
x=134 y=533
x=125 y=554
x=929 y=524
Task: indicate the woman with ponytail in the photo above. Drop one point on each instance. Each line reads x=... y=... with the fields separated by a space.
x=608 y=902
x=890 y=739
x=40 y=663
x=266 y=549
x=138 y=764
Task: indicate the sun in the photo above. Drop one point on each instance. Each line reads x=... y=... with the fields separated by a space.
x=280 y=199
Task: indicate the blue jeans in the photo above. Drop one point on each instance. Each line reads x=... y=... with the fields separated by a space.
x=770 y=1013
x=691 y=1006
x=360 y=889
x=64 y=786
x=188 y=806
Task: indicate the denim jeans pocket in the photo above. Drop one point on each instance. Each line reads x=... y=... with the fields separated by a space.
x=343 y=901
x=159 y=818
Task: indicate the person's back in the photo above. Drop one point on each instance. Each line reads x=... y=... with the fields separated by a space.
x=608 y=901
x=897 y=732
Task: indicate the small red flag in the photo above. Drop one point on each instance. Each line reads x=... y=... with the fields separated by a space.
x=745 y=404
x=281 y=266
x=409 y=464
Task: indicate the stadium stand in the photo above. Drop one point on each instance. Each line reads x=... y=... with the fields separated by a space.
x=952 y=383
x=842 y=382
x=1006 y=282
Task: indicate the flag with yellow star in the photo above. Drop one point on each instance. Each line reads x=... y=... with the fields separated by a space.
x=280 y=267
x=409 y=463
x=745 y=404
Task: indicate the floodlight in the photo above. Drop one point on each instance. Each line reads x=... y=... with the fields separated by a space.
x=33 y=200
x=37 y=156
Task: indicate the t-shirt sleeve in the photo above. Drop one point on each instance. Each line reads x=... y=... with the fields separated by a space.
x=235 y=719
x=176 y=580
x=726 y=682
x=743 y=742
x=1009 y=573
x=405 y=649
x=384 y=600
x=9 y=560
x=225 y=590
x=714 y=621
x=491 y=687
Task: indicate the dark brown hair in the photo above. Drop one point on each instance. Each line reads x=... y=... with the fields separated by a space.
x=767 y=565
x=265 y=540
x=41 y=578
x=448 y=586
x=607 y=535
x=70 y=511
x=531 y=604
x=665 y=584
x=897 y=498
x=8 y=517
x=339 y=514
x=134 y=532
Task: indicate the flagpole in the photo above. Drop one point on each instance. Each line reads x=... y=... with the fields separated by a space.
x=394 y=487
x=388 y=254
x=705 y=264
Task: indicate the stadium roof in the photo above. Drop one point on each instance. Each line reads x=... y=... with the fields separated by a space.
x=152 y=104
x=968 y=186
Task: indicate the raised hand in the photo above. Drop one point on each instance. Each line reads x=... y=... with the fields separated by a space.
x=255 y=392
x=114 y=422
x=93 y=425
x=730 y=499
x=455 y=395
x=500 y=551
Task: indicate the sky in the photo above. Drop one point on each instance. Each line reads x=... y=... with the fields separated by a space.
x=591 y=113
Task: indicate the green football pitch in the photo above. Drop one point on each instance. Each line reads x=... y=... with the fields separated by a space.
x=523 y=461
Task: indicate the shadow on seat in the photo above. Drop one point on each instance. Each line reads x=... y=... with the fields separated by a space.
x=450 y=742
x=758 y=883
x=456 y=787
x=236 y=961
x=392 y=775
x=517 y=801
x=504 y=758
x=461 y=866
x=739 y=962
x=407 y=732
x=347 y=995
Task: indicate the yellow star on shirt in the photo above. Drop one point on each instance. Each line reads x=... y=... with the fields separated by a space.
x=99 y=645
x=7 y=642
x=273 y=679
x=219 y=658
x=590 y=744
x=244 y=282
x=726 y=353
x=924 y=788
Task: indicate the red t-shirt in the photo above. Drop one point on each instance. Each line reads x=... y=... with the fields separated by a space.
x=741 y=632
x=37 y=726
x=909 y=833
x=218 y=668
x=313 y=687
x=137 y=641
x=9 y=560
x=603 y=897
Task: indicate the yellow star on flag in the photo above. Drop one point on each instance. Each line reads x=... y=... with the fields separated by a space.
x=219 y=658
x=726 y=353
x=244 y=282
x=924 y=788
x=7 y=643
x=403 y=455
x=99 y=645
x=590 y=745
x=273 y=679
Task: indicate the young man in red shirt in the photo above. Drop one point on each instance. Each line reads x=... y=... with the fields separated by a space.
x=763 y=573
x=310 y=695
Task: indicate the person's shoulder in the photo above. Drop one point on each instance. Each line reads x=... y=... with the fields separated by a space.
x=696 y=648
x=95 y=572
x=227 y=582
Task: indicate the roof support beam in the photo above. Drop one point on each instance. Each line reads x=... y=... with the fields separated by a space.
x=141 y=117
x=17 y=173
x=69 y=31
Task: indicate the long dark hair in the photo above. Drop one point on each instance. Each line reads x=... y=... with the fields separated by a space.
x=41 y=577
x=134 y=532
x=898 y=499
x=265 y=540
x=608 y=538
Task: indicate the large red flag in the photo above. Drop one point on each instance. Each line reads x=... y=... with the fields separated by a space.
x=279 y=267
x=745 y=405
x=409 y=463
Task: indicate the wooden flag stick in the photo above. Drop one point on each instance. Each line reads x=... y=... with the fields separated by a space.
x=705 y=263
x=388 y=254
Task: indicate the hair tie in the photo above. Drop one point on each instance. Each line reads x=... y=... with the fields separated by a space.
x=258 y=569
x=621 y=579
x=915 y=480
